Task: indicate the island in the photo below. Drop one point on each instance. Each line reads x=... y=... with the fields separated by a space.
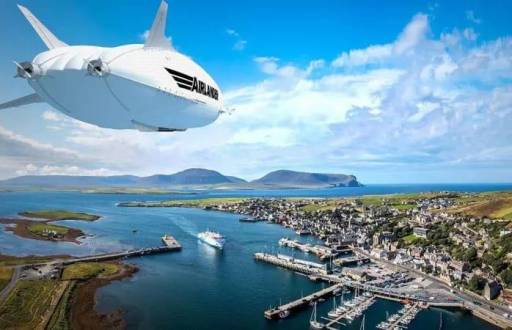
x=40 y=225
x=56 y=215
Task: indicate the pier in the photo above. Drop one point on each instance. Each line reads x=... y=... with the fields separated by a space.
x=401 y=319
x=274 y=313
x=124 y=254
x=323 y=252
x=299 y=265
x=337 y=321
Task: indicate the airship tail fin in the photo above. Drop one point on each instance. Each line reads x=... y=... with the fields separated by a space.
x=24 y=100
x=156 y=36
x=48 y=38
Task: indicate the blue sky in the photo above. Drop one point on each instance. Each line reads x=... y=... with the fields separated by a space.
x=411 y=91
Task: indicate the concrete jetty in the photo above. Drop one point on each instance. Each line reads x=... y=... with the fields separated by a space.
x=123 y=254
x=274 y=313
x=323 y=252
x=299 y=265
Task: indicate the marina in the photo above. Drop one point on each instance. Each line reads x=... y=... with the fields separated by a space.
x=400 y=319
x=348 y=311
x=279 y=311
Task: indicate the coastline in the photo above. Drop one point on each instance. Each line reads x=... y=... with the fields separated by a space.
x=83 y=313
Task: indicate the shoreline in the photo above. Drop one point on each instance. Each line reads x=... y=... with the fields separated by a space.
x=83 y=313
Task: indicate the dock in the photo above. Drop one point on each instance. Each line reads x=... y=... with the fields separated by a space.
x=274 y=313
x=331 y=322
x=298 y=265
x=399 y=322
x=323 y=252
x=123 y=254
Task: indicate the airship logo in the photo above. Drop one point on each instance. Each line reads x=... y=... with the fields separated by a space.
x=193 y=84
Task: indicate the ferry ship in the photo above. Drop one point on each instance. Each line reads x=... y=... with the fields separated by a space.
x=212 y=238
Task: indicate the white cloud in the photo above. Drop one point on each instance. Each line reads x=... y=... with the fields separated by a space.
x=240 y=43
x=413 y=34
x=470 y=15
x=51 y=116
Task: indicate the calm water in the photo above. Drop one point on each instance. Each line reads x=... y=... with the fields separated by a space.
x=200 y=287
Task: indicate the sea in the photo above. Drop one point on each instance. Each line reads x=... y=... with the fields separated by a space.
x=201 y=287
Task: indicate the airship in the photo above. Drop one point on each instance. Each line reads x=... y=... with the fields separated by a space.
x=148 y=87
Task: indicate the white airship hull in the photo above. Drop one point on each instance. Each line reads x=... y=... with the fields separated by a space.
x=145 y=95
x=149 y=87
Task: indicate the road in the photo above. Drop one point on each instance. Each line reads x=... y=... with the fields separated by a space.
x=482 y=305
x=14 y=278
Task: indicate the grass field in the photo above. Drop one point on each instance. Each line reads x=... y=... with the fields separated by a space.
x=13 y=261
x=410 y=239
x=39 y=229
x=5 y=276
x=321 y=206
x=495 y=205
x=28 y=304
x=59 y=215
x=200 y=202
x=85 y=270
x=60 y=317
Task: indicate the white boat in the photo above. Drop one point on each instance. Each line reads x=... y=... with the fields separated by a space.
x=313 y=323
x=284 y=314
x=334 y=311
x=212 y=238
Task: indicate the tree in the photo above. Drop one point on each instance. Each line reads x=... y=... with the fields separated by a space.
x=469 y=255
x=506 y=277
x=476 y=283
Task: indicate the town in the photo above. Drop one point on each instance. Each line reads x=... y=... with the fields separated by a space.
x=409 y=238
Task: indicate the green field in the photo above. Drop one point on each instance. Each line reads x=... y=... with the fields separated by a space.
x=40 y=228
x=27 y=304
x=85 y=270
x=59 y=215
x=494 y=205
x=13 y=261
x=60 y=317
x=5 y=276
x=411 y=239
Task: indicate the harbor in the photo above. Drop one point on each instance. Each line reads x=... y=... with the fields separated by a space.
x=216 y=283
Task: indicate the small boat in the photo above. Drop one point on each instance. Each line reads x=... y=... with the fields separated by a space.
x=313 y=323
x=284 y=314
x=334 y=311
x=248 y=219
